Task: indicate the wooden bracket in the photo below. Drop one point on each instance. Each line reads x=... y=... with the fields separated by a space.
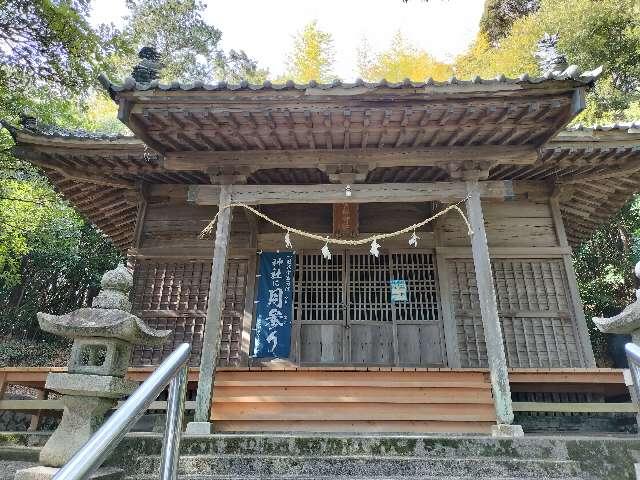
x=347 y=173
x=228 y=175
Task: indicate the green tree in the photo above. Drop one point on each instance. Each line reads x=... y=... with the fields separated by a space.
x=312 y=56
x=591 y=33
x=604 y=268
x=402 y=60
x=187 y=44
x=499 y=15
x=237 y=66
x=52 y=41
x=50 y=59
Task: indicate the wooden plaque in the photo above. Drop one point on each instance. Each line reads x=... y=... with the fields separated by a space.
x=345 y=219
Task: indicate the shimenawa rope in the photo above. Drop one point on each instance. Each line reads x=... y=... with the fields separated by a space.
x=339 y=241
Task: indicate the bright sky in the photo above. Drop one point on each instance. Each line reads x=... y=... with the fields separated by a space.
x=264 y=28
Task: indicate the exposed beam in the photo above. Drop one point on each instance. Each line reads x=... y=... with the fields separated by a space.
x=136 y=126
x=360 y=193
x=88 y=177
x=390 y=157
x=624 y=170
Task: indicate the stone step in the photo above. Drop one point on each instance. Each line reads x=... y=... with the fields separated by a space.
x=303 y=467
x=320 y=445
x=8 y=468
x=220 y=477
x=20 y=454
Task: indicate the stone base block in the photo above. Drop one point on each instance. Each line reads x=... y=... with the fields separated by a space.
x=506 y=430
x=199 y=428
x=81 y=417
x=81 y=384
x=47 y=473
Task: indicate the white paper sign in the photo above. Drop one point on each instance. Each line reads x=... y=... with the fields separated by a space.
x=398 y=290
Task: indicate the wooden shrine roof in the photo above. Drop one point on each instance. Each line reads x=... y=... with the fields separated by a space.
x=307 y=134
x=98 y=174
x=217 y=126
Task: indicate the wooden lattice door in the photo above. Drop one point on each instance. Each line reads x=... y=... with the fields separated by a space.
x=344 y=313
x=319 y=317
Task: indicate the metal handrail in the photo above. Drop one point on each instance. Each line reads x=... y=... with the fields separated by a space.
x=89 y=458
x=633 y=355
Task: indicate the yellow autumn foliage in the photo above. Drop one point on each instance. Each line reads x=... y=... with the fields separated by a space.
x=312 y=56
x=402 y=60
x=513 y=57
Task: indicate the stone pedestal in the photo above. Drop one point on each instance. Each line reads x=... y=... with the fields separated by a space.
x=199 y=428
x=81 y=417
x=503 y=430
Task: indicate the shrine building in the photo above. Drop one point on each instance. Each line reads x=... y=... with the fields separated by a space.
x=427 y=335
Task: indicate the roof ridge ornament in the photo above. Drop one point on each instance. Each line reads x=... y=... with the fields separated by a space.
x=148 y=69
x=550 y=60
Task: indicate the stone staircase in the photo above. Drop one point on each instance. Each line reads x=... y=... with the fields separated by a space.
x=324 y=457
x=359 y=457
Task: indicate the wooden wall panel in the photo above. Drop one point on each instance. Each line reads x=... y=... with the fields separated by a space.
x=353 y=401
x=173 y=295
x=316 y=218
x=176 y=224
x=420 y=344
x=372 y=344
x=518 y=223
x=373 y=217
x=389 y=217
x=176 y=228
x=538 y=322
x=321 y=344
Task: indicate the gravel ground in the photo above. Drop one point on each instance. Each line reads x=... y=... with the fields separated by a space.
x=8 y=468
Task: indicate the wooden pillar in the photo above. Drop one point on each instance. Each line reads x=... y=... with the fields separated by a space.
x=213 y=323
x=37 y=415
x=581 y=322
x=489 y=311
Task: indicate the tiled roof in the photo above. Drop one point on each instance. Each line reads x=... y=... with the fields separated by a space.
x=571 y=73
x=33 y=127
x=629 y=127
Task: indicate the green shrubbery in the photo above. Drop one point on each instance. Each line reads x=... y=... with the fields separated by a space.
x=32 y=353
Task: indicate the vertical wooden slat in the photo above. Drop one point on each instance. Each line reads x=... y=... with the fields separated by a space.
x=581 y=324
x=448 y=318
x=248 y=310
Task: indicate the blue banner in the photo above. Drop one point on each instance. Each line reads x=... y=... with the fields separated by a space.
x=274 y=305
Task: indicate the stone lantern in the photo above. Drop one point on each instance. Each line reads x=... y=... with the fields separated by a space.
x=626 y=322
x=103 y=337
